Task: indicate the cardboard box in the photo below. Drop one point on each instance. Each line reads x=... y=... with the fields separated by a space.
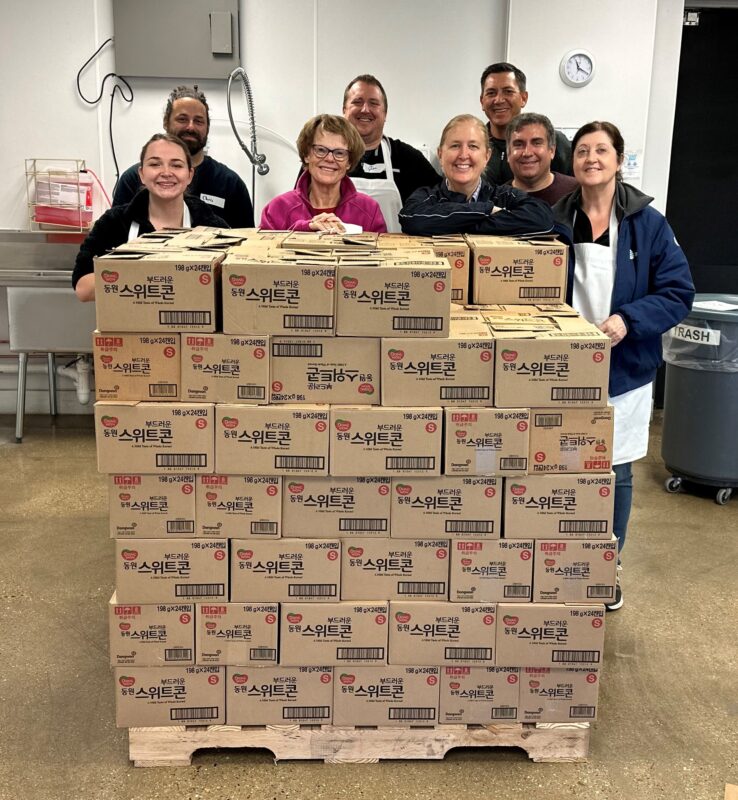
x=312 y=241
x=394 y=298
x=285 y=569
x=466 y=508
x=325 y=370
x=151 y=635
x=221 y=368
x=507 y=270
x=237 y=634
x=279 y=695
x=491 y=571
x=550 y=635
x=136 y=366
x=559 y=507
x=567 y=364
x=442 y=633
x=268 y=294
x=162 y=696
x=386 y=696
x=394 y=569
x=271 y=440
x=479 y=695
x=385 y=441
x=571 y=439
x=154 y=437
x=171 y=570
x=575 y=571
x=239 y=506
x=336 y=634
x=318 y=508
x=558 y=695
x=151 y=506
x=433 y=372
x=486 y=441
x=163 y=291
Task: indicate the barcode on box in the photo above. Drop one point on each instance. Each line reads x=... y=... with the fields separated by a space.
x=424 y=463
x=180 y=526
x=457 y=295
x=548 y=420
x=178 y=654
x=513 y=463
x=513 y=591
x=412 y=713
x=299 y=462
x=360 y=653
x=575 y=656
x=181 y=460
x=421 y=587
x=199 y=590
x=184 y=318
x=545 y=292
x=316 y=322
x=264 y=528
x=187 y=714
x=464 y=392
x=306 y=712
x=313 y=590
x=470 y=526
x=600 y=592
x=587 y=393
x=581 y=712
x=417 y=323
x=263 y=654
x=296 y=350
x=162 y=390
x=470 y=653
x=361 y=524
x=504 y=713
x=251 y=393
x=582 y=526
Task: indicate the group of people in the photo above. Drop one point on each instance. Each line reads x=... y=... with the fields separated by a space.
x=515 y=175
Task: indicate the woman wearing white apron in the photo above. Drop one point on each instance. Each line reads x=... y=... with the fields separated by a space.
x=629 y=277
x=165 y=171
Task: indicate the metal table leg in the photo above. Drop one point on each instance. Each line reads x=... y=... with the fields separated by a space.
x=20 y=405
x=52 y=383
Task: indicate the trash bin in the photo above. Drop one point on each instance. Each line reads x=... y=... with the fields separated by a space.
x=700 y=431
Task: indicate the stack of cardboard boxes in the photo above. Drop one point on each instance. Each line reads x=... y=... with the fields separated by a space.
x=338 y=498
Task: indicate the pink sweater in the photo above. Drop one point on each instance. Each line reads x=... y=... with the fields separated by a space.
x=292 y=210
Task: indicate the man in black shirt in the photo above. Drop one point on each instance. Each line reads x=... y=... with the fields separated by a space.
x=390 y=170
x=187 y=115
x=503 y=97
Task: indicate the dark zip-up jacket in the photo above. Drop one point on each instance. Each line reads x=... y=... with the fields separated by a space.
x=436 y=210
x=653 y=288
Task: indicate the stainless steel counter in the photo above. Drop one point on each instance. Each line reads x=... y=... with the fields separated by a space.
x=29 y=258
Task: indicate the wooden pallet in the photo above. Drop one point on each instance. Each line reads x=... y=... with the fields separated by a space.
x=174 y=746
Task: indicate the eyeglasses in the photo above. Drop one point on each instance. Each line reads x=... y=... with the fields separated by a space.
x=338 y=153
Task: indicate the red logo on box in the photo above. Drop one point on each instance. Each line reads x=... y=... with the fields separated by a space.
x=259 y=352
x=329 y=283
x=432 y=680
x=539 y=457
x=343 y=425
x=205 y=279
x=170 y=352
x=431 y=427
x=109 y=422
x=187 y=488
x=604 y=491
x=295 y=488
x=270 y=619
x=277 y=386
x=129 y=555
x=490 y=491
x=109 y=276
x=439 y=286
x=346 y=679
x=237 y=280
x=294 y=618
x=509 y=355
x=396 y=355
x=383 y=489
x=332 y=555
x=201 y=423
x=245 y=555
x=126 y=681
x=229 y=422
x=484 y=261
x=356 y=552
x=185 y=619
x=320 y=426
x=526 y=555
x=486 y=355
x=512 y=678
x=325 y=677
x=239 y=678
x=509 y=619
x=517 y=489
x=272 y=491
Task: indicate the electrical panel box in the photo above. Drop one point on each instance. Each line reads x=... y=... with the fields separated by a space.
x=176 y=38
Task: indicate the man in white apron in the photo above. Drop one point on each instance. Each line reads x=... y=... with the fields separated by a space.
x=390 y=170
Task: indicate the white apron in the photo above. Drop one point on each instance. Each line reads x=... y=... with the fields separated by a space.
x=594 y=278
x=186 y=223
x=383 y=190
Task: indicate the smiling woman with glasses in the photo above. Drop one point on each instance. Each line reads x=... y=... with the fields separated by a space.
x=325 y=199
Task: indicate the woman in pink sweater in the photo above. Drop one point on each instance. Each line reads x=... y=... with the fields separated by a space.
x=324 y=198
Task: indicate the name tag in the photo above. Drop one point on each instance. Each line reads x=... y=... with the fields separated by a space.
x=373 y=169
x=212 y=200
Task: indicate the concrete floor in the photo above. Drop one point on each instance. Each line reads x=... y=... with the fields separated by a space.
x=669 y=702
